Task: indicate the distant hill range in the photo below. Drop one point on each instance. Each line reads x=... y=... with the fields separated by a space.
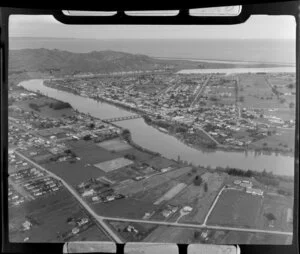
x=64 y=62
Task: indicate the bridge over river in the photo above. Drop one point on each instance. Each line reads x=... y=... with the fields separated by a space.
x=122 y=118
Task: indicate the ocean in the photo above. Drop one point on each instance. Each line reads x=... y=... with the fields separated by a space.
x=248 y=50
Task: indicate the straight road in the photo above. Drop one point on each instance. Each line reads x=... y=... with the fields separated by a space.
x=101 y=219
x=200 y=91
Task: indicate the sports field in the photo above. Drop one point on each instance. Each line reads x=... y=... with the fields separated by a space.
x=237 y=209
x=114 y=164
x=114 y=145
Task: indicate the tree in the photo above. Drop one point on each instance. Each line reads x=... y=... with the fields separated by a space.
x=205 y=187
x=196 y=235
x=242 y=99
x=292 y=105
x=198 y=180
x=87 y=137
x=270 y=216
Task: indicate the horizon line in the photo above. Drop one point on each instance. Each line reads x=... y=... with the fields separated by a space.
x=171 y=38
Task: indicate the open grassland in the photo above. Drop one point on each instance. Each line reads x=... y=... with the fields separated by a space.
x=236 y=208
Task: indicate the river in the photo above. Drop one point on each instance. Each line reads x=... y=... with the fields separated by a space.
x=150 y=138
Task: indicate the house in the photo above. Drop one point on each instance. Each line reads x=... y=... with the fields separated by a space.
x=254 y=192
x=88 y=193
x=166 y=213
x=75 y=231
x=187 y=209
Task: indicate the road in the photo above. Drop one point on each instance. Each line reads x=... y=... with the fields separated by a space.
x=200 y=91
x=213 y=205
x=101 y=219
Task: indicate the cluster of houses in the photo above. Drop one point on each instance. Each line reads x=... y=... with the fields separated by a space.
x=248 y=186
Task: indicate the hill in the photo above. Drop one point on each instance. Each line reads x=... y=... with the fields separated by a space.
x=58 y=62
x=45 y=60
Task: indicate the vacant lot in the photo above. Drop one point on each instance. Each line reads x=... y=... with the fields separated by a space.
x=236 y=208
x=111 y=165
x=114 y=145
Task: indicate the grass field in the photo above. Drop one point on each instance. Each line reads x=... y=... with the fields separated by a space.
x=257 y=92
x=124 y=208
x=48 y=216
x=277 y=205
x=196 y=197
x=74 y=173
x=114 y=145
x=284 y=139
x=145 y=184
x=114 y=164
x=236 y=208
x=90 y=153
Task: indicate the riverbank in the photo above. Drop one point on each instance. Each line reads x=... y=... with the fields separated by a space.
x=168 y=146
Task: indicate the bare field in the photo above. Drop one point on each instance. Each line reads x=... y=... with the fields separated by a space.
x=114 y=164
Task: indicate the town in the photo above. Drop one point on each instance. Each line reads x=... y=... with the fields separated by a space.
x=90 y=177
x=203 y=110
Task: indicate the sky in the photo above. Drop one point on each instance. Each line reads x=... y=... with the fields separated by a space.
x=257 y=27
